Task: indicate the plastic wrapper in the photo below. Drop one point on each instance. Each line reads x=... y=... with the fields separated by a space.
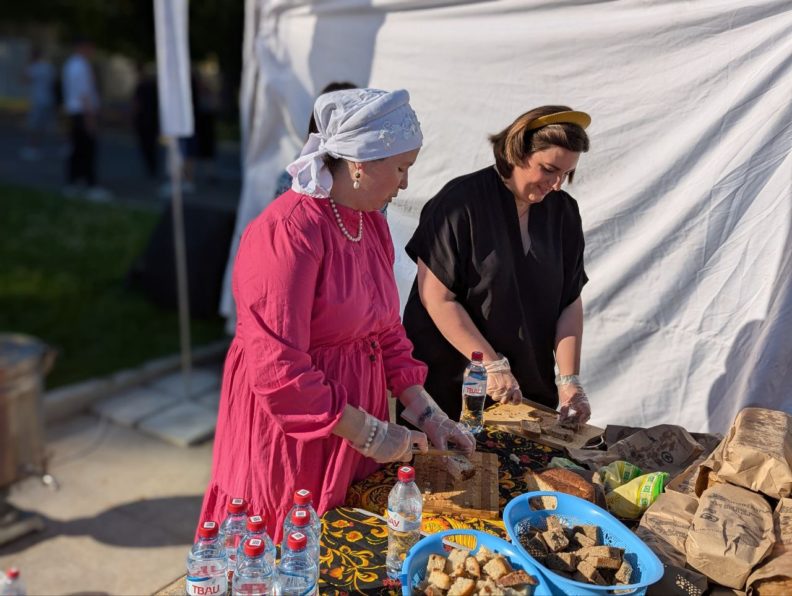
x=630 y=500
x=618 y=473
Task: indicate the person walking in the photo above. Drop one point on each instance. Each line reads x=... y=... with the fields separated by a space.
x=40 y=77
x=81 y=103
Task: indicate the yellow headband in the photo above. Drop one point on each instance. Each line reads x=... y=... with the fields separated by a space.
x=569 y=117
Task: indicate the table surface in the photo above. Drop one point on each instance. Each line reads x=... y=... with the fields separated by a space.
x=354 y=541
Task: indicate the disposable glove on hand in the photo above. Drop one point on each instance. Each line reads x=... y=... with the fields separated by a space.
x=384 y=442
x=501 y=384
x=573 y=404
x=422 y=411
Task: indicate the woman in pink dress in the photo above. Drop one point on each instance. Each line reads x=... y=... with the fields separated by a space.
x=319 y=341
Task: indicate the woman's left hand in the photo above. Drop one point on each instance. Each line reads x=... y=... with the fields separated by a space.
x=422 y=411
x=574 y=406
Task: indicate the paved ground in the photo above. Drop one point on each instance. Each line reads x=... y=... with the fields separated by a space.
x=119 y=167
x=123 y=518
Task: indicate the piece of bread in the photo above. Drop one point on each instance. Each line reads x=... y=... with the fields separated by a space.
x=484 y=555
x=624 y=574
x=435 y=563
x=472 y=567
x=460 y=467
x=431 y=590
x=497 y=567
x=440 y=580
x=590 y=573
x=566 y=562
x=556 y=540
x=582 y=540
x=605 y=562
x=462 y=587
x=560 y=480
x=517 y=578
x=456 y=561
x=611 y=552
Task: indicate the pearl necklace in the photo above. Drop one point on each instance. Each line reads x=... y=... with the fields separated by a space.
x=341 y=225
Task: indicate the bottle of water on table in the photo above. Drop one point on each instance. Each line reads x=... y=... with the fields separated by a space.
x=297 y=571
x=303 y=501
x=300 y=521
x=11 y=584
x=207 y=563
x=233 y=528
x=405 y=508
x=255 y=575
x=257 y=528
x=474 y=392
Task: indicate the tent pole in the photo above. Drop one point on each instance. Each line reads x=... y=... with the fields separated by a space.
x=180 y=257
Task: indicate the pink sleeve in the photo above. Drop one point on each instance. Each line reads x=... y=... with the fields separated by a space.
x=275 y=279
x=401 y=369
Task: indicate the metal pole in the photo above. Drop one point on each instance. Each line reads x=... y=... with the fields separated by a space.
x=180 y=254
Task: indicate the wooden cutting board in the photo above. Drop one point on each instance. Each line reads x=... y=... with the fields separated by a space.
x=508 y=417
x=476 y=497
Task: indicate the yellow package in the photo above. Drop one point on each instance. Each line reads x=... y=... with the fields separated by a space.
x=630 y=500
x=617 y=473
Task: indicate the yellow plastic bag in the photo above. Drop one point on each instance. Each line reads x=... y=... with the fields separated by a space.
x=630 y=500
x=617 y=473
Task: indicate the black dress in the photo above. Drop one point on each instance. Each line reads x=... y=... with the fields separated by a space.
x=469 y=237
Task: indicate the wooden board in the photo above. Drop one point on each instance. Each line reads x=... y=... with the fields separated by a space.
x=476 y=497
x=508 y=417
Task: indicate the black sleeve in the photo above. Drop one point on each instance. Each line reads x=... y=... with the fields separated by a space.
x=574 y=244
x=442 y=240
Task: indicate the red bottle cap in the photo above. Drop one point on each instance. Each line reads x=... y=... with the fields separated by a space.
x=208 y=529
x=12 y=573
x=237 y=506
x=406 y=474
x=254 y=547
x=256 y=523
x=477 y=356
x=300 y=518
x=297 y=541
x=303 y=497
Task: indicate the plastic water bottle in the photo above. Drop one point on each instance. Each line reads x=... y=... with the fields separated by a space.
x=303 y=500
x=405 y=506
x=207 y=563
x=255 y=575
x=474 y=392
x=257 y=528
x=297 y=571
x=11 y=584
x=233 y=528
x=300 y=521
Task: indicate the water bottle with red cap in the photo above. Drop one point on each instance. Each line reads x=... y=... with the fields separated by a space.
x=405 y=508
x=297 y=570
x=474 y=393
x=233 y=528
x=257 y=528
x=303 y=501
x=300 y=521
x=207 y=563
x=11 y=584
x=255 y=575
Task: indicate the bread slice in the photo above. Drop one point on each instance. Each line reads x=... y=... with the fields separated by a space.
x=462 y=587
x=460 y=467
x=560 y=480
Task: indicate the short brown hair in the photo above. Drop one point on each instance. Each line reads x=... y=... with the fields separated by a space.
x=513 y=144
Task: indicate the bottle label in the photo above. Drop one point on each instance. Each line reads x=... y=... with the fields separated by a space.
x=207 y=586
x=402 y=523
x=474 y=388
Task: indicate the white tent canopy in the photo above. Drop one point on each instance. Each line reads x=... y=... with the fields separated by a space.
x=686 y=194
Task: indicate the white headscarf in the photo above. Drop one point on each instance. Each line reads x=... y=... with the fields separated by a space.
x=356 y=125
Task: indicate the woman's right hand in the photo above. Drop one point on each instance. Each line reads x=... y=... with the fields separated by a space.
x=381 y=441
x=501 y=384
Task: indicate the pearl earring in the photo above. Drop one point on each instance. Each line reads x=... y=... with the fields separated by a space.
x=356 y=181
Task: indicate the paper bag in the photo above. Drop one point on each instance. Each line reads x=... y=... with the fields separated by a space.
x=756 y=454
x=774 y=578
x=663 y=448
x=731 y=533
x=685 y=482
x=665 y=525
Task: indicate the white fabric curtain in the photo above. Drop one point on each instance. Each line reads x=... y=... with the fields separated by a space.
x=686 y=194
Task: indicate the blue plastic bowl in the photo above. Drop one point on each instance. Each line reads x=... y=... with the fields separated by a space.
x=414 y=566
x=647 y=568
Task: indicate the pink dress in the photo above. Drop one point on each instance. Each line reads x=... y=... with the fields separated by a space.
x=318 y=328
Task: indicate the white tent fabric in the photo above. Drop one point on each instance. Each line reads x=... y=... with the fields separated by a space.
x=686 y=194
x=173 y=68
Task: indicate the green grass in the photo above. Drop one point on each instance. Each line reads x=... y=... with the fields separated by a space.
x=62 y=269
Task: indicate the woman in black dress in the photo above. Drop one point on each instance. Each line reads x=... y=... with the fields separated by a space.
x=500 y=271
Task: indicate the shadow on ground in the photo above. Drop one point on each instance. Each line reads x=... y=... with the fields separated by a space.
x=166 y=521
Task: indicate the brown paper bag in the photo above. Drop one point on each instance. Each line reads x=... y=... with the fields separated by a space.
x=665 y=525
x=731 y=533
x=774 y=578
x=663 y=448
x=685 y=483
x=756 y=454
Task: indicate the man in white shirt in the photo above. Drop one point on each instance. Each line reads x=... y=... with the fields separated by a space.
x=81 y=102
